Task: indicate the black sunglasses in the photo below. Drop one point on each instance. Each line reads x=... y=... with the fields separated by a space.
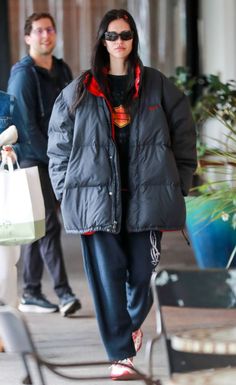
x=113 y=36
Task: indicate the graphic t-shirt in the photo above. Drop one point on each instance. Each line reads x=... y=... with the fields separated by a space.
x=121 y=119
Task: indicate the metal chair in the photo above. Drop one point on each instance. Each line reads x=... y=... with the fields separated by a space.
x=199 y=289
x=17 y=339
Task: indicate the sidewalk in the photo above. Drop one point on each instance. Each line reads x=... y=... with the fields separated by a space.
x=77 y=338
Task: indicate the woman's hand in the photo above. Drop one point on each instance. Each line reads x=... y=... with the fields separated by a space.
x=8 y=152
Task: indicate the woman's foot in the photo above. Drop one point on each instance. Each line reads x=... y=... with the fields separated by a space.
x=1 y=346
x=123 y=370
x=138 y=339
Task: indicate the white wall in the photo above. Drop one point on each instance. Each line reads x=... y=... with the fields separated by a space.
x=217 y=30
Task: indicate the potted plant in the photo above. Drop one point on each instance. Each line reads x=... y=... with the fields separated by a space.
x=211 y=208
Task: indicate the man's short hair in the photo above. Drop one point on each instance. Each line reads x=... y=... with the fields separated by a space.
x=34 y=17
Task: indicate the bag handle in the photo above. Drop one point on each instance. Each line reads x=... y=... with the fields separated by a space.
x=8 y=161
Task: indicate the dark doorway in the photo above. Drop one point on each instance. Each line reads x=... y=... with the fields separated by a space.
x=4 y=45
x=192 y=48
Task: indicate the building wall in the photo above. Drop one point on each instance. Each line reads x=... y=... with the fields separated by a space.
x=161 y=26
x=217 y=30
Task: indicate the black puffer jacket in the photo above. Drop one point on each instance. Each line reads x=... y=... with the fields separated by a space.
x=84 y=165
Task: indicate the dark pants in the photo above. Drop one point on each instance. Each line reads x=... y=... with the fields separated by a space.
x=119 y=269
x=46 y=250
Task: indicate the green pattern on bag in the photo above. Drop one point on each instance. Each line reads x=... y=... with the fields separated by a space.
x=21 y=233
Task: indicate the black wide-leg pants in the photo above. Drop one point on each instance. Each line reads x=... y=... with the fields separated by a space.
x=119 y=269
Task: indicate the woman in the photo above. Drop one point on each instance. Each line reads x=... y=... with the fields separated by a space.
x=11 y=130
x=122 y=155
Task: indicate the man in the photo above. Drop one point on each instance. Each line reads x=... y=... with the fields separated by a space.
x=36 y=80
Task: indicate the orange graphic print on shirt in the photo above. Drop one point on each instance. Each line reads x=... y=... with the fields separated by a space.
x=121 y=117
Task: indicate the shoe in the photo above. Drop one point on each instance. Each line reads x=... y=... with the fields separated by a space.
x=69 y=304
x=138 y=339
x=36 y=303
x=123 y=370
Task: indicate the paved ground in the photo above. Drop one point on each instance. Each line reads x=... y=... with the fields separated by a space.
x=77 y=338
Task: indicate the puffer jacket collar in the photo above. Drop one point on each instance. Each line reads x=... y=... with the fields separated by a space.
x=93 y=86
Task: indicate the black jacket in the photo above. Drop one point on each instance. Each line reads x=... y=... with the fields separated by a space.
x=84 y=165
x=10 y=114
x=36 y=90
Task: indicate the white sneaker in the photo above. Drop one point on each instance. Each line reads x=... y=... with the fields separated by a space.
x=69 y=304
x=123 y=370
x=36 y=303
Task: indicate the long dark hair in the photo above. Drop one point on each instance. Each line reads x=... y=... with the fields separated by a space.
x=100 y=58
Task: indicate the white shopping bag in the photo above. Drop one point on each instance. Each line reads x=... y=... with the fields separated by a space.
x=22 y=211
